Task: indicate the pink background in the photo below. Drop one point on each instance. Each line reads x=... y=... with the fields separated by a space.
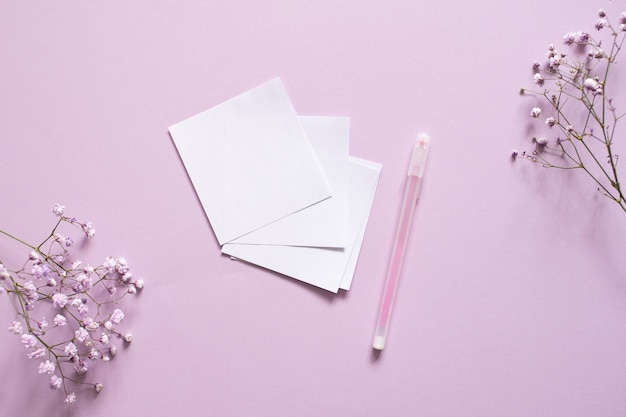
x=513 y=300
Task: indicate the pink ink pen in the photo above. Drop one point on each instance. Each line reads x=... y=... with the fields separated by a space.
x=411 y=193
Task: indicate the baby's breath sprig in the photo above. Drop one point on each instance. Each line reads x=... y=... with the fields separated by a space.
x=83 y=301
x=577 y=103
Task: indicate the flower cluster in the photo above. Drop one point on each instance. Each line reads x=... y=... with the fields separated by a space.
x=578 y=114
x=68 y=314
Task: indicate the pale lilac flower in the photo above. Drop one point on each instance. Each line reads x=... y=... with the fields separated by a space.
x=4 y=273
x=81 y=335
x=83 y=283
x=60 y=320
x=42 y=324
x=582 y=37
x=121 y=266
x=550 y=121
x=600 y=23
x=94 y=354
x=71 y=398
x=117 y=316
x=71 y=349
x=30 y=290
x=555 y=62
x=47 y=367
x=58 y=210
x=535 y=112
x=51 y=282
x=104 y=338
x=59 y=300
x=55 y=382
x=89 y=230
x=76 y=264
x=536 y=65
x=37 y=353
x=538 y=79
x=16 y=327
x=109 y=264
x=90 y=324
x=591 y=84
x=81 y=367
x=569 y=38
x=28 y=340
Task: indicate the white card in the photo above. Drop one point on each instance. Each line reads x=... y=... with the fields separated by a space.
x=323 y=224
x=250 y=161
x=323 y=267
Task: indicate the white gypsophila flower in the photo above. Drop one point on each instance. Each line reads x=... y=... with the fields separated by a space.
x=550 y=121
x=117 y=316
x=59 y=300
x=47 y=367
x=541 y=141
x=128 y=337
x=98 y=387
x=28 y=340
x=591 y=84
x=81 y=335
x=55 y=382
x=70 y=398
x=140 y=284
x=535 y=112
x=15 y=327
x=58 y=210
x=71 y=349
x=37 y=353
x=59 y=320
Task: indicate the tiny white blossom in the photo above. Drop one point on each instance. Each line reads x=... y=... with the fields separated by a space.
x=59 y=320
x=71 y=398
x=535 y=112
x=16 y=327
x=55 y=382
x=47 y=367
x=58 y=210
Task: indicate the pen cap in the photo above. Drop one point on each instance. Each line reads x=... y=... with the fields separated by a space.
x=418 y=159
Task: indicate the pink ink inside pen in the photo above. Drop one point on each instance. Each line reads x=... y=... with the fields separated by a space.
x=411 y=193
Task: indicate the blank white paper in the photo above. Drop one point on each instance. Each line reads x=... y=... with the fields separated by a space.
x=250 y=161
x=325 y=223
x=325 y=268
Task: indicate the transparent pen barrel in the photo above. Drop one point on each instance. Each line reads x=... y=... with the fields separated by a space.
x=398 y=250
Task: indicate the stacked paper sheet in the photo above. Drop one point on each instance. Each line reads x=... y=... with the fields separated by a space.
x=280 y=190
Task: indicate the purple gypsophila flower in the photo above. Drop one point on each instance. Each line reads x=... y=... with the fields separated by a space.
x=16 y=327
x=535 y=112
x=55 y=382
x=28 y=340
x=59 y=300
x=47 y=367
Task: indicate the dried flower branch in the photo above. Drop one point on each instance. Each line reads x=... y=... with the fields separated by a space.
x=576 y=98
x=83 y=302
